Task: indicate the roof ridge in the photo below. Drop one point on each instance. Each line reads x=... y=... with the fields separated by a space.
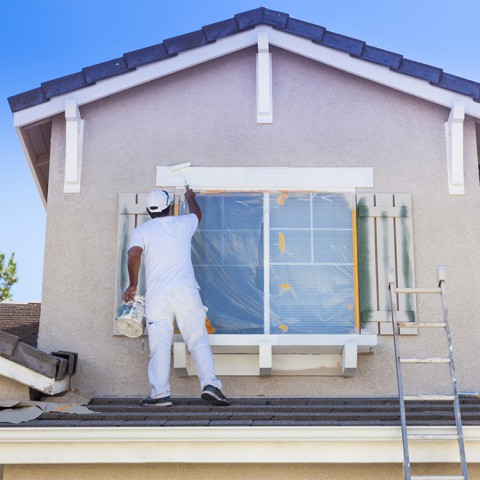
x=170 y=47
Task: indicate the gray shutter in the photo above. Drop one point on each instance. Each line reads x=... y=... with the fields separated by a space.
x=385 y=240
x=131 y=213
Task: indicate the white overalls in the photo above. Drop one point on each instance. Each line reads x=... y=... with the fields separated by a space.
x=172 y=293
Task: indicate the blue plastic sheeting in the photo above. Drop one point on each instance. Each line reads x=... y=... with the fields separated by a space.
x=303 y=263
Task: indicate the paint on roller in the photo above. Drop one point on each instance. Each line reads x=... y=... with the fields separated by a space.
x=281 y=241
x=179 y=169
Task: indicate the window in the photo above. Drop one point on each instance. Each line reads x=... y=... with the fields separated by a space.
x=276 y=263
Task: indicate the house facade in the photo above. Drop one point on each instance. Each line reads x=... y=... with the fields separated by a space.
x=320 y=162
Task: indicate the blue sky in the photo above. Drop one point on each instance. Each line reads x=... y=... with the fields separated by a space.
x=42 y=40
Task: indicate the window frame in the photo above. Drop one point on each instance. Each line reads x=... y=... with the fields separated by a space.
x=267 y=263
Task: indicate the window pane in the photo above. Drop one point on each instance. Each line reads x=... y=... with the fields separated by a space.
x=309 y=254
x=290 y=210
x=290 y=246
x=332 y=246
x=311 y=264
x=227 y=253
x=311 y=299
x=332 y=210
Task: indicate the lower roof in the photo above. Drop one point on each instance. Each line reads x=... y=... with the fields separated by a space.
x=262 y=411
x=251 y=430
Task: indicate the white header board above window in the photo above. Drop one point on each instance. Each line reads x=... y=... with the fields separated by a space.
x=267 y=178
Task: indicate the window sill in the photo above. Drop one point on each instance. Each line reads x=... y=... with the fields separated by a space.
x=265 y=355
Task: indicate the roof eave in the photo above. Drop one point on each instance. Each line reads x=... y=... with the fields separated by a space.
x=330 y=56
x=348 y=444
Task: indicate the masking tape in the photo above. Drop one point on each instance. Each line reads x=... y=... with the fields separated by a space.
x=281 y=240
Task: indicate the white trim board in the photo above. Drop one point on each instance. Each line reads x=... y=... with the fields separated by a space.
x=365 y=445
x=267 y=178
x=35 y=380
x=334 y=58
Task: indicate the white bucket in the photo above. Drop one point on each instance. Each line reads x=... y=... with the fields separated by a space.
x=131 y=318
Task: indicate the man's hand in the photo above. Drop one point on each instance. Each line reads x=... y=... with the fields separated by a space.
x=189 y=193
x=192 y=203
x=129 y=294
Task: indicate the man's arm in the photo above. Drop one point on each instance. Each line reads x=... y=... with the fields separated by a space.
x=134 y=261
x=192 y=203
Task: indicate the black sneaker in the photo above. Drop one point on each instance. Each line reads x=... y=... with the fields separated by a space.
x=156 y=402
x=214 y=395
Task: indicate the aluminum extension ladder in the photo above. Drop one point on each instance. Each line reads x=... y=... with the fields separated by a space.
x=440 y=290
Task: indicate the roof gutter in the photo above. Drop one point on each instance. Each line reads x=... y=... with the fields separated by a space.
x=310 y=444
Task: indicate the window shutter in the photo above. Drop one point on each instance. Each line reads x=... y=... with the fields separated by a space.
x=131 y=213
x=385 y=240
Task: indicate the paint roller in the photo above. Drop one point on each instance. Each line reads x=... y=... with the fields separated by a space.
x=179 y=169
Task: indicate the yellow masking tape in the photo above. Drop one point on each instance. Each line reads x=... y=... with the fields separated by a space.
x=281 y=240
x=282 y=198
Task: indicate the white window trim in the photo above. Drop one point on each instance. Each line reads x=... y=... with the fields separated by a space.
x=274 y=354
x=335 y=179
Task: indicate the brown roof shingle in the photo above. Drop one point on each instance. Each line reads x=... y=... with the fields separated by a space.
x=245 y=412
x=22 y=320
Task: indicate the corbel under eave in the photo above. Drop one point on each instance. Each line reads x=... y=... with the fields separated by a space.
x=264 y=79
x=73 y=147
x=454 y=141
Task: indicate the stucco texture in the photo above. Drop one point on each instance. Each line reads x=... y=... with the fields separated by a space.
x=12 y=390
x=234 y=471
x=207 y=115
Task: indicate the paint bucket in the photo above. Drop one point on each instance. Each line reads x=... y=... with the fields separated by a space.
x=131 y=318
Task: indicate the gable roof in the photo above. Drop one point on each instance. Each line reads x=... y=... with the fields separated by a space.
x=242 y=22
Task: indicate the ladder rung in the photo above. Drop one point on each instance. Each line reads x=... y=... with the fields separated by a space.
x=418 y=290
x=425 y=360
x=429 y=397
x=437 y=477
x=421 y=325
x=432 y=436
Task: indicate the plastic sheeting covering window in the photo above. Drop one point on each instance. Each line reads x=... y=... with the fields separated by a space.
x=276 y=263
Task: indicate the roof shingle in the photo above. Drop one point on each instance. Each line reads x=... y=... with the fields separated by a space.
x=22 y=320
x=244 y=21
x=273 y=412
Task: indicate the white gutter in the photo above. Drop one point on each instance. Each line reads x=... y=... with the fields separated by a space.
x=66 y=445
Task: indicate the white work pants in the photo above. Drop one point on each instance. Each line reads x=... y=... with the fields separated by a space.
x=185 y=305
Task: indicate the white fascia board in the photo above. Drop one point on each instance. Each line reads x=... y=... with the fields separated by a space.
x=141 y=75
x=364 y=445
x=268 y=178
x=371 y=71
x=233 y=43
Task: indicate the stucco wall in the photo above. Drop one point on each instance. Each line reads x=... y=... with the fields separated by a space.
x=11 y=390
x=236 y=471
x=206 y=115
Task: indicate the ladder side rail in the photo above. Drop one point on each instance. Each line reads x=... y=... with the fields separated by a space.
x=456 y=403
x=403 y=418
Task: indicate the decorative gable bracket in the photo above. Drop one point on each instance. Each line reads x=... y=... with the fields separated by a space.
x=264 y=79
x=73 y=147
x=454 y=138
